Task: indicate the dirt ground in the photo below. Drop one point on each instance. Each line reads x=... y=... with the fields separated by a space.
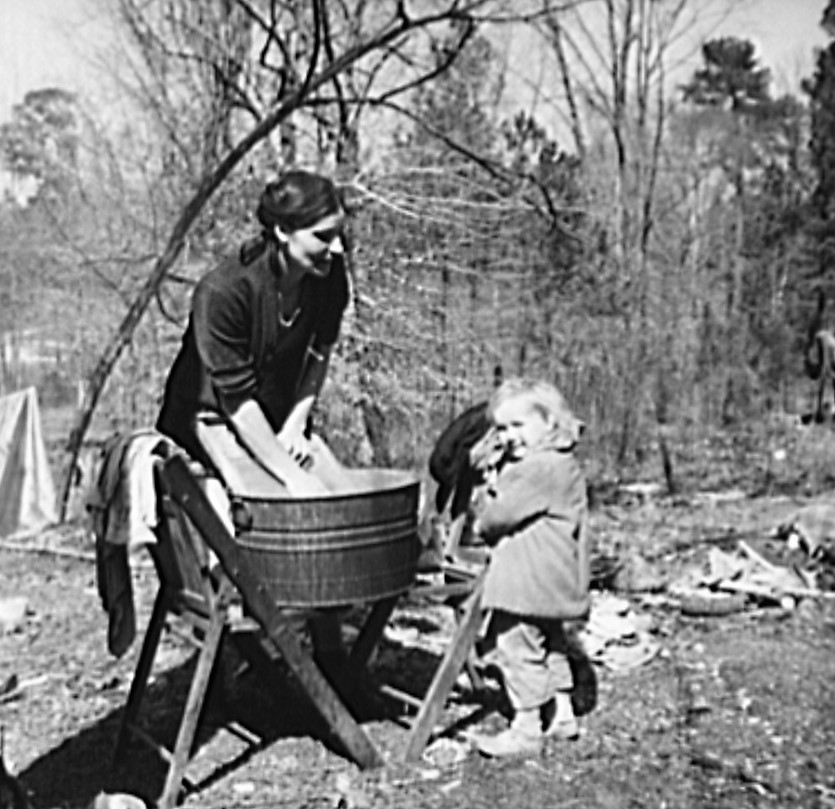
x=733 y=711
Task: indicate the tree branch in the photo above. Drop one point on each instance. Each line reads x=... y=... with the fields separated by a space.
x=208 y=184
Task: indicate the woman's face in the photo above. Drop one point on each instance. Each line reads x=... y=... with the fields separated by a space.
x=313 y=248
x=519 y=426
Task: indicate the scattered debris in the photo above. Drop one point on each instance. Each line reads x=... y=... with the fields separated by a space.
x=604 y=569
x=243 y=788
x=812 y=530
x=637 y=575
x=12 y=613
x=641 y=492
x=445 y=753
x=53 y=541
x=8 y=686
x=826 y=796
x=723 y=496
x=349 y=796
x=734 y=580
x=703 y=602
x=615 y=636
x=745 y=772
x=447 y=788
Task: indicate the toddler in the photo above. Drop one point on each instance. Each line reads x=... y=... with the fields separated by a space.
x=534 y=515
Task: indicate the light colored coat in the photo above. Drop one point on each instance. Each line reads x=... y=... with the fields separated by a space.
x=536 y=517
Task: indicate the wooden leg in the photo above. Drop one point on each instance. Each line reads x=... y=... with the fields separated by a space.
x=456 y=529
x=325 y=630
x=476 y=680
x=456 y=655
x=191 y=713
x=370 y=633
x=323 y=697
x=143 y=671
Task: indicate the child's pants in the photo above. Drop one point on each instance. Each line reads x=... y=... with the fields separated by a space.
x=532 y=655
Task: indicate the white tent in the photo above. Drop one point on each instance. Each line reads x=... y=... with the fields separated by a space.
x=27 y=493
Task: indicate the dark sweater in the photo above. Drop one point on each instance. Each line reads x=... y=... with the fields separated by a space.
x=235 y=348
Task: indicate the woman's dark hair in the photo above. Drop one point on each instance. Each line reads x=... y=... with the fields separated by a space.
x=298 y=199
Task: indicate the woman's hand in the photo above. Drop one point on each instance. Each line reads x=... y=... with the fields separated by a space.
x=296 y=443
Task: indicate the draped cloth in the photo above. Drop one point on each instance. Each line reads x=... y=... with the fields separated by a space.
x=27 y=493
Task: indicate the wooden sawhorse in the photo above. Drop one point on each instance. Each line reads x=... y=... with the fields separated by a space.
x=465 y=596
x=203 y=595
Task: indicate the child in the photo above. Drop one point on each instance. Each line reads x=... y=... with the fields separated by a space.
x=534 y=515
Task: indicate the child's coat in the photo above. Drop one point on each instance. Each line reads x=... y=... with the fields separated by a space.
x=537 y=518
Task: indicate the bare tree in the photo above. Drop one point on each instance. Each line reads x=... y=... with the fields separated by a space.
x=613 y=58
x=285 y=55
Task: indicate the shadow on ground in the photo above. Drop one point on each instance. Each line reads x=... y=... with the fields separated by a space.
x=72 y=774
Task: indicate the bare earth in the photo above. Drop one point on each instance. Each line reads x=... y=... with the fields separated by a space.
x=735 y=711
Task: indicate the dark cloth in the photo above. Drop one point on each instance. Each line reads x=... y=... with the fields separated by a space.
x=123 y=515
x=235 y=348
x=449 y=463
x=536 y=518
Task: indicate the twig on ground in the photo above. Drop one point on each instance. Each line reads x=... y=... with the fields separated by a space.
x=715 y=539
x=756 y=557
x=768 y=592
x=20 y=547
x=711 y=762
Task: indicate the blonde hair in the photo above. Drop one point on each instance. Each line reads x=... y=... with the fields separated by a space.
x=548 y=401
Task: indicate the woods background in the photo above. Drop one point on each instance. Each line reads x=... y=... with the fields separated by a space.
x=656 y=250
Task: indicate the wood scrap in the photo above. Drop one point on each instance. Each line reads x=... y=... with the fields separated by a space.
x=743 y=772
x=728 y=538
x=755 y=556
x=763 y=591
x=701 y=602
x=69 y=553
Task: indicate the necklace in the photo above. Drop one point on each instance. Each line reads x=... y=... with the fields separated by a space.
x=287 y=322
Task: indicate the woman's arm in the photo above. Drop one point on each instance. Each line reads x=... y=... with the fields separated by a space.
x=335 y=293
x=292 y=434
x=256 y=434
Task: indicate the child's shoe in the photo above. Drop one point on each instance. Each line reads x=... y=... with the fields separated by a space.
x=523 y=737
x=558 y=720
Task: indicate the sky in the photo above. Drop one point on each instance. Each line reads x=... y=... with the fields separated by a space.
x=52 y=42
x=42 y=44
x=786 y=32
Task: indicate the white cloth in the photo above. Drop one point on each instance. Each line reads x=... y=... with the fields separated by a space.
x=27 y=494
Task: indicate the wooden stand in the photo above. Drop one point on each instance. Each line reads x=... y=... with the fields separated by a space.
x=202 y=595
x=455 y=659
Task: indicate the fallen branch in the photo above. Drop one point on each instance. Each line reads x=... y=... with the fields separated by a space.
x=767 y=592
x=20 y=547
x=711 y=762
x=729 y=538
x=756 y=557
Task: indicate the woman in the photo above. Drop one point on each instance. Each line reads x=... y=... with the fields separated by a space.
x=255 y=353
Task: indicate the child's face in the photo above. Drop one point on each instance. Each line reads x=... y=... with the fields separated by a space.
x=520 y=426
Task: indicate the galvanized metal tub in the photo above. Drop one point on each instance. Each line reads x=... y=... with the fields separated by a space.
x=358 y=545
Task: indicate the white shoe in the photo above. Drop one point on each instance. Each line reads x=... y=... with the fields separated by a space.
x=523 y=737
x=509 y=743
x=558 y=719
